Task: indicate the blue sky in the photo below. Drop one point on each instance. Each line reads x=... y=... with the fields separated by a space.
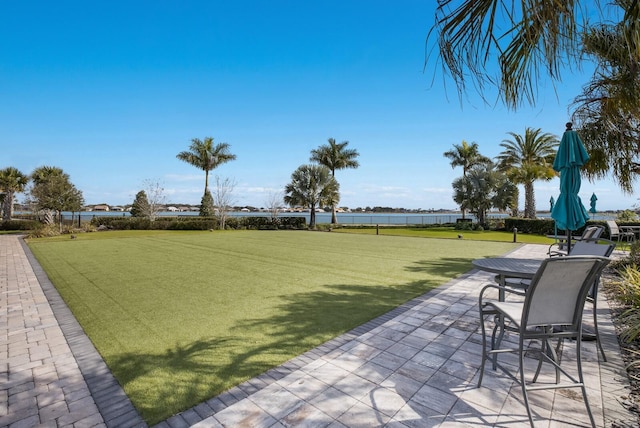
x=111 y=91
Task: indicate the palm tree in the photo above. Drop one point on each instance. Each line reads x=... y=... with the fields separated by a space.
x=527 y=159
x=12 y=181
x=335 y=156
x=52 y=191
x=525 y=39
x=511 y=46
x=467 y=156
x=41 y=176
x=312 y=186
x=206 y=156
x=607 y=111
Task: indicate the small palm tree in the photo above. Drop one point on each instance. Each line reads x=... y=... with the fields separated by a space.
x=311 y=186
x=335 y=156
x=206 y=156
x=52 y=192
x=526 y=159
x=12 y=181
x=44 y=173
x=467 y=156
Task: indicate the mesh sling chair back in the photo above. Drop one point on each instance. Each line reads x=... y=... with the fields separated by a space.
x=561 y=248
x=551 y=309
x=615 y=232
x=594 y=247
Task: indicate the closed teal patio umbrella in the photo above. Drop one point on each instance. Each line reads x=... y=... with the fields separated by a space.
x=594 y=198
x=568 y=211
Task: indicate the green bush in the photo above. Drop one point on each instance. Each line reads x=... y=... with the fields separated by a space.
x=262 y=223
x=545 y=226
x=627 y=291
x=627 y=215
x=293 y=222
x=44 y=231
x=197 y=223
x=464 y=225
x=19 y=225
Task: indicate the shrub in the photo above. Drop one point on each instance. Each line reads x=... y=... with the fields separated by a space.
x=543 y=226
x=464 y=225
x=206 y=205
x=44 y=231
x=197 y=223
x=293 y=222
x=627 y=291
x=627 y=215
x=19 y=225
x=261 y=223
x=633 y=259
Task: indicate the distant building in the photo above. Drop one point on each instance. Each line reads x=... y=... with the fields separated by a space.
x=101 y=208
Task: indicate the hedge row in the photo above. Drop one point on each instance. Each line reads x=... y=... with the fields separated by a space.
x=19 y=224
x=547 y=226
x=198 y=223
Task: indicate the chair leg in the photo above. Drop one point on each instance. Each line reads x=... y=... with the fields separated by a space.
x=595 y=326
x=552 y=354
x=523 y=384
x=581 y=380
x=495 y=344
x=484 y=348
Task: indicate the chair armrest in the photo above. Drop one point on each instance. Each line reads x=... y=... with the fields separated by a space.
x=499 y=288
x=560 y=251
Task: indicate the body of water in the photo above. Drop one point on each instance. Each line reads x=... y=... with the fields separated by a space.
x=321 y=218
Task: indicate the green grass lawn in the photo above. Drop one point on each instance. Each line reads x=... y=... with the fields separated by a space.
x=180 y=317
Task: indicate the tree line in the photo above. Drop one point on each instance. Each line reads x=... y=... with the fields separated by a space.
x=487 y=184
x=312 y=185
x=49 y=192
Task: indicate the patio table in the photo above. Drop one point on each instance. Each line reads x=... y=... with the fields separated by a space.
x=633 y=229
x=507 y=267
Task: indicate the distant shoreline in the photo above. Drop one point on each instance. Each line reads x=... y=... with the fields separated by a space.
x=346 y=218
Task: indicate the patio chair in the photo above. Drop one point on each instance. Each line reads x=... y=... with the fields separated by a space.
x=594 y=247
x=615 y=232
x=559 y=248
x=584 y=247
x=551 y=309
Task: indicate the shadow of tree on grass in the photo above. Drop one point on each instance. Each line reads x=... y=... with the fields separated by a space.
x=443 y=267
x=191 y=372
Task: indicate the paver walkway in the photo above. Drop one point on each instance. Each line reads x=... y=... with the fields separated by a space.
x=413 y=367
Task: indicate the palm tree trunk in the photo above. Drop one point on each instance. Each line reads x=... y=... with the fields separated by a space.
x=8 y=206
x=529 y=201
x=514 y=207
x=312 y=220
x=334 y=217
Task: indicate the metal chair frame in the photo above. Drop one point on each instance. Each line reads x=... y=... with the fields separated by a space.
x=595 y=247
x=590 y=232
x=552 y=309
